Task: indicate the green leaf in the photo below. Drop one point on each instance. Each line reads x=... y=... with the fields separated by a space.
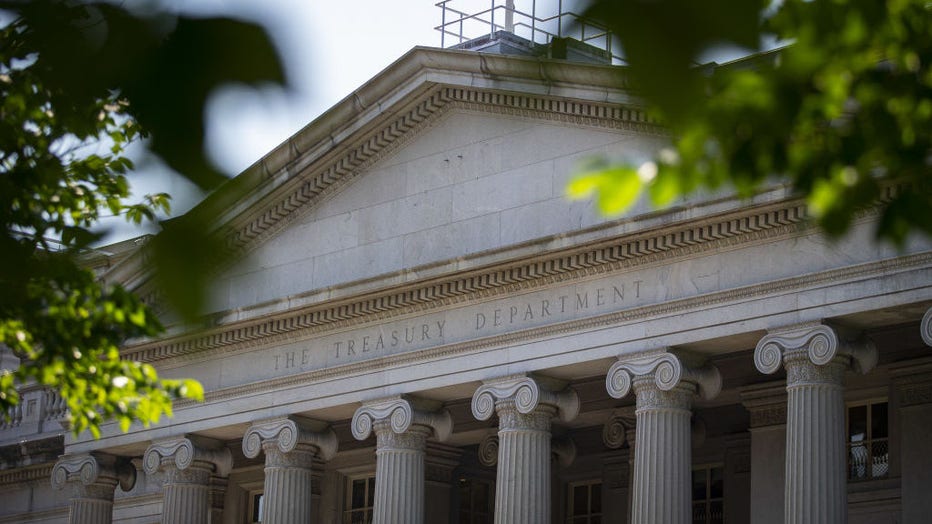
x=619 y=190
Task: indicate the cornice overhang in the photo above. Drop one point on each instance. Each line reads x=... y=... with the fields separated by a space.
x=666 y=240
x=789 y=285
x=660 y=244
x=388 y=111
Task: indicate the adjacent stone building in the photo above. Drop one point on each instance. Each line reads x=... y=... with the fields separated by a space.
x=421 y=328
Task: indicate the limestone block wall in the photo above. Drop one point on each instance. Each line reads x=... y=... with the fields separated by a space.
x=474 y=182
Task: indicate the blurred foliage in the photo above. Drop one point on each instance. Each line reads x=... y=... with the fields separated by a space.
x=840 y=112
x=78 y=82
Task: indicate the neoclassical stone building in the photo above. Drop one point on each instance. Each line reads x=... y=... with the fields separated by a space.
x=420 y=328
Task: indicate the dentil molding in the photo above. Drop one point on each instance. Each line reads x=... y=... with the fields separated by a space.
x=651 y=247
x=610 y=319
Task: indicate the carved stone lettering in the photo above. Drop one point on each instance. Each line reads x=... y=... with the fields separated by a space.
x=489 y=319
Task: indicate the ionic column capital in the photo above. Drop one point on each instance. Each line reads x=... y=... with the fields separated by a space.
x=619 y=429
x=401 y=415
x=94 y=469
x=925 y=327
x=527 y=393
x=488 y=450
x=187 y=452
x=666 y=369
x=817 y=342
x=290 y=433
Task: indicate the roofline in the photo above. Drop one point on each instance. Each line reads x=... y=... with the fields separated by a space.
x=414 y=69
x=413 y=74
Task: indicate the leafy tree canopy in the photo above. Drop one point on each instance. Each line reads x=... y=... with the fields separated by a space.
x=841 y=113
x=78 y=82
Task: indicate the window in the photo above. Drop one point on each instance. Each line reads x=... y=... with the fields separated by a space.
x=360 y=495
x=255 y=507
x=868 y=440
x=584 y=503
x=477 y=501
x=708 y=495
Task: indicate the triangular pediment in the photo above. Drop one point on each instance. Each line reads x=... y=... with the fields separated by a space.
x=470 y=180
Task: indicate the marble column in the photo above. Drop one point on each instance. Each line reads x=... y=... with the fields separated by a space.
x=93 y=478
x=402 y=426
x=664 y=385
x=766 y=403
x=290 y=445
x=188 y=464
x=618 y=433
x=815 y=359
x=525 y=406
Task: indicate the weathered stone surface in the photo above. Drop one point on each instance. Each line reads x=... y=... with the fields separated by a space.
x=815 y=358
x=665 y=385
x=402 y=427
x=525 y=407
x=290 y=446
x=188 y=464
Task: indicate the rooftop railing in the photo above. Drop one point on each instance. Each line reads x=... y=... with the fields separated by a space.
x=538 y=21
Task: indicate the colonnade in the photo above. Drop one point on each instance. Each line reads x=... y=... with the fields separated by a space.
x=665 y=384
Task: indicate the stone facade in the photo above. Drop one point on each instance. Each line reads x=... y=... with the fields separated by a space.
x=418 y=327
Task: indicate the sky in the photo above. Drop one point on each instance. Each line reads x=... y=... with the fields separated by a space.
x=329 y=49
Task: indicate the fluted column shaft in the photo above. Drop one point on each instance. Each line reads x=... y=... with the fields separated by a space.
x=815 y=358
x=401 y=426
x=632 y=452
x=663 y=456
x=525 y=406
x=522 y=489
x=288 y=477
x=521 y=451
x=816 y=486
x=290 y=445
x=399 y=474
x=188 y=464
x=665 y=383
x=186 y=496
x=92 y=504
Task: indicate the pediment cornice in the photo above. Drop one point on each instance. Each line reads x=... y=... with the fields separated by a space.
x=344 y=163
x=660 y=245
x=410 y=96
